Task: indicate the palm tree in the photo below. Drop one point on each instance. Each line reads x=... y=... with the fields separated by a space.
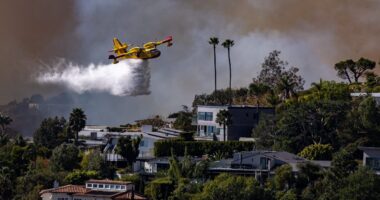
x=287 y=87
x=224 y=118
x=77 y=122
x=228 y=44
x=214 y=41
x=4 y=121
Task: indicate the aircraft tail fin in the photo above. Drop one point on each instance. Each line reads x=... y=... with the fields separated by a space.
x=168 y=40
x=118 y=47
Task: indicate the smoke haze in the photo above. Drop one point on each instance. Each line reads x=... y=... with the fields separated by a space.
x=312 y=35
x=126 y=78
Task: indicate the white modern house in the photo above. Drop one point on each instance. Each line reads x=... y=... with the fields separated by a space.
x=243 y=120
x=206 y=122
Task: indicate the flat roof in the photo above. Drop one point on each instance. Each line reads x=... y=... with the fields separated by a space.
x=369 y=148
x=108 y=181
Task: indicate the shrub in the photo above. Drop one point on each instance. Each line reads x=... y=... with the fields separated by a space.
x=317 y=152
x=160 y=188
x=78 y=177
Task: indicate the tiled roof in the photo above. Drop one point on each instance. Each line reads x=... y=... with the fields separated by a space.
x=107 y=181
x=67 y=189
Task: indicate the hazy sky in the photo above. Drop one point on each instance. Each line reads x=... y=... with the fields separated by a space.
x=312 y=35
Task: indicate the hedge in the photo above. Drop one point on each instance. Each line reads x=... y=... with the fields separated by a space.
x=198 y=148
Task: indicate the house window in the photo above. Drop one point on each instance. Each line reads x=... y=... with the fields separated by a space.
x=201 y=115
x=373 y=163
x=101 y=185
x=205 y=116
x=118 y=187
x=112 y=186
x=95 y=185
x=107 y=186
x=208 y=116
x=89 y=185
x=263 y=163
x=94 y=135
x=123 y=187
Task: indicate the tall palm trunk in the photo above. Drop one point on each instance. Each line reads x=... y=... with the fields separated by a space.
x=215 y=69
x=224 y=131
x=76 y=137
x=229 y=62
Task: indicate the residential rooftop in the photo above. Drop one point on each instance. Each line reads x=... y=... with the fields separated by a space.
x=108 y=181
x=109 y=189
x=233 y=106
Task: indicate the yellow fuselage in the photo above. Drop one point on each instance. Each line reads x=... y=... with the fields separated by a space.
x=142 y=53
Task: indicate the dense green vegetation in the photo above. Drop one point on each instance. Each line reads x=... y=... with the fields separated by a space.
x=26 y=168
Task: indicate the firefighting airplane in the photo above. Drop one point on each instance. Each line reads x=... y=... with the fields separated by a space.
x=148 y=51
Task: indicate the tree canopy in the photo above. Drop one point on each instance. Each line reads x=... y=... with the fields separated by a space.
x=51 y=133
x=77 y=122
x=65 y=157
x=128 y=148
x=352 y=70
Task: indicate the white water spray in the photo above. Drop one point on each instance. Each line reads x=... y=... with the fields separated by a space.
x=129 y=77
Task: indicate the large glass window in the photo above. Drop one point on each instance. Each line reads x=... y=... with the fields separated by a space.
x=205 y=116
x=208 y=116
